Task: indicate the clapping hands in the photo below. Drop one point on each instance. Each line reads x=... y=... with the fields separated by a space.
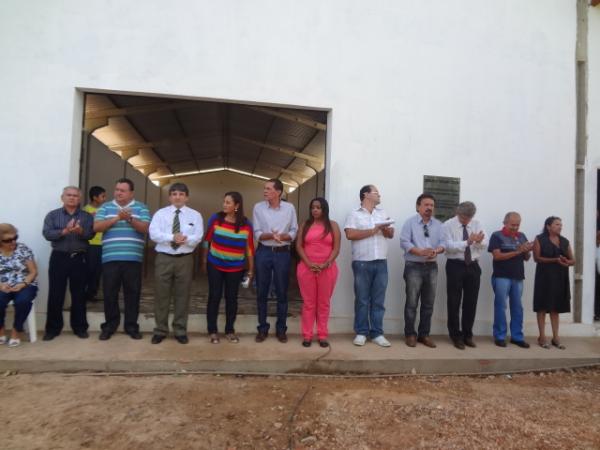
x=125 y=214
x=476 y=238
x=564 y=261
x=73 y=226
x=525 y=247
x=179 y=238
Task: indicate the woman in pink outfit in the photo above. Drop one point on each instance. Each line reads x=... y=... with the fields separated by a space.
x=318 y=246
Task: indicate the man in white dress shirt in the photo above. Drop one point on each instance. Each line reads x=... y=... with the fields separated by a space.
x=464 y=240
x=176 y=230
x=369 y=228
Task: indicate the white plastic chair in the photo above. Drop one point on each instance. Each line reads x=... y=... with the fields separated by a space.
x=31 y=326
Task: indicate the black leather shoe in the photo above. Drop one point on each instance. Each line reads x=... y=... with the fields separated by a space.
x=500 y=342
x=469 y=342
x=157 y=338
x=105 y=335
x=135 y=335
x=459 y=344
x=48 y=336
x=82 y=334
x=306 y=343
x=261 y=336
x=282 y=337
x=521 y=344
x=323 y=343
x=183 y=339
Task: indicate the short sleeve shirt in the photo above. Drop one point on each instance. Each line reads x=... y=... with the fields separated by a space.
x=513 y=268
x=371 y=248
x=13 y=268
x=122 y=242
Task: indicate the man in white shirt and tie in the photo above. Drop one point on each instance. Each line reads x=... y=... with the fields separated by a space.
x=176 y=230
x=464 y=240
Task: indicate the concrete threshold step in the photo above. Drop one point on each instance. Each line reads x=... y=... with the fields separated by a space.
x=121 y=354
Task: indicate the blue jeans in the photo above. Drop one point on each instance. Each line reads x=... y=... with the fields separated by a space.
x=370 y=282
x=276 y=266
x=421 y=281
x=22 y=302
x=512 y=289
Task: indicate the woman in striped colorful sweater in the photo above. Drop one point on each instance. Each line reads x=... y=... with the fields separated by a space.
x=228 y=248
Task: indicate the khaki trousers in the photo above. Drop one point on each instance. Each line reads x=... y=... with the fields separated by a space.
x=173 y=278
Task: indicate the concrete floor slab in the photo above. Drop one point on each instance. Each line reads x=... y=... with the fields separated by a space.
x=67 y=353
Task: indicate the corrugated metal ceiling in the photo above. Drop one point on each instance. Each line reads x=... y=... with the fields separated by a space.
x=164 y=138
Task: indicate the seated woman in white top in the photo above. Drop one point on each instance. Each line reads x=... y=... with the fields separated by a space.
x=17 y=282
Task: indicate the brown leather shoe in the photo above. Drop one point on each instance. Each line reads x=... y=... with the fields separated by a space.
x=469 y=342
x=411 y=341
x=458 y=343
x=427 y=341
x=260 y=336
x=282 y=337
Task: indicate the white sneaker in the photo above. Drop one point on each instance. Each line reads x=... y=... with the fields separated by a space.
x=3 y=340
x=360 y=340
x=382 y=341
x=14 y=342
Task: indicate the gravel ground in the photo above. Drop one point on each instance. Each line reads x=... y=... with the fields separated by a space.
x=542 y=410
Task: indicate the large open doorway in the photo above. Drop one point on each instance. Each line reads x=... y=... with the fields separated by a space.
x=213 y=147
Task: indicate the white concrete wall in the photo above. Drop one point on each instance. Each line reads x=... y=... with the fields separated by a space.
x=477 y=89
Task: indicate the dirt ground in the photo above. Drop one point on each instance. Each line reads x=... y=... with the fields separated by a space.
x=544 y=410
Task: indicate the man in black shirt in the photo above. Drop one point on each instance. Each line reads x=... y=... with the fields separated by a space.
x=510 y=250
x=68 y=229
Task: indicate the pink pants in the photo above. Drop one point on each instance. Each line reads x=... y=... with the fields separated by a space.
x=316 y=290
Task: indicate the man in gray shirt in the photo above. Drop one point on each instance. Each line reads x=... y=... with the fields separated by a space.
x=275 y=227
x=421 y=240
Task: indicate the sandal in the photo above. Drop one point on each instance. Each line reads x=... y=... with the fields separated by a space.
x=544 y=344
x=557 y=344
x=231 y=337
x=214 y=338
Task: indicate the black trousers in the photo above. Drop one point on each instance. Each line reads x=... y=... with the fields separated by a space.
x=65 y=267
x=462 y=283
x=217 y=280
x=127 y=274
x=94 y=266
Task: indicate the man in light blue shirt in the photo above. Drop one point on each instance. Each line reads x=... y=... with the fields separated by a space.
x=275 y=227
x=421 y=239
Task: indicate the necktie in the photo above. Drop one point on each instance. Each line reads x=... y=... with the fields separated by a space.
x=468 y=259
x=176 y=228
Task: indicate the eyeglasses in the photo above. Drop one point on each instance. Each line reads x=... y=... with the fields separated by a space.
x=426 y=230
x=9 y=240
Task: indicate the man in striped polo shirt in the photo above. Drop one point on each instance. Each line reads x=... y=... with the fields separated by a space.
x=124 y=222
